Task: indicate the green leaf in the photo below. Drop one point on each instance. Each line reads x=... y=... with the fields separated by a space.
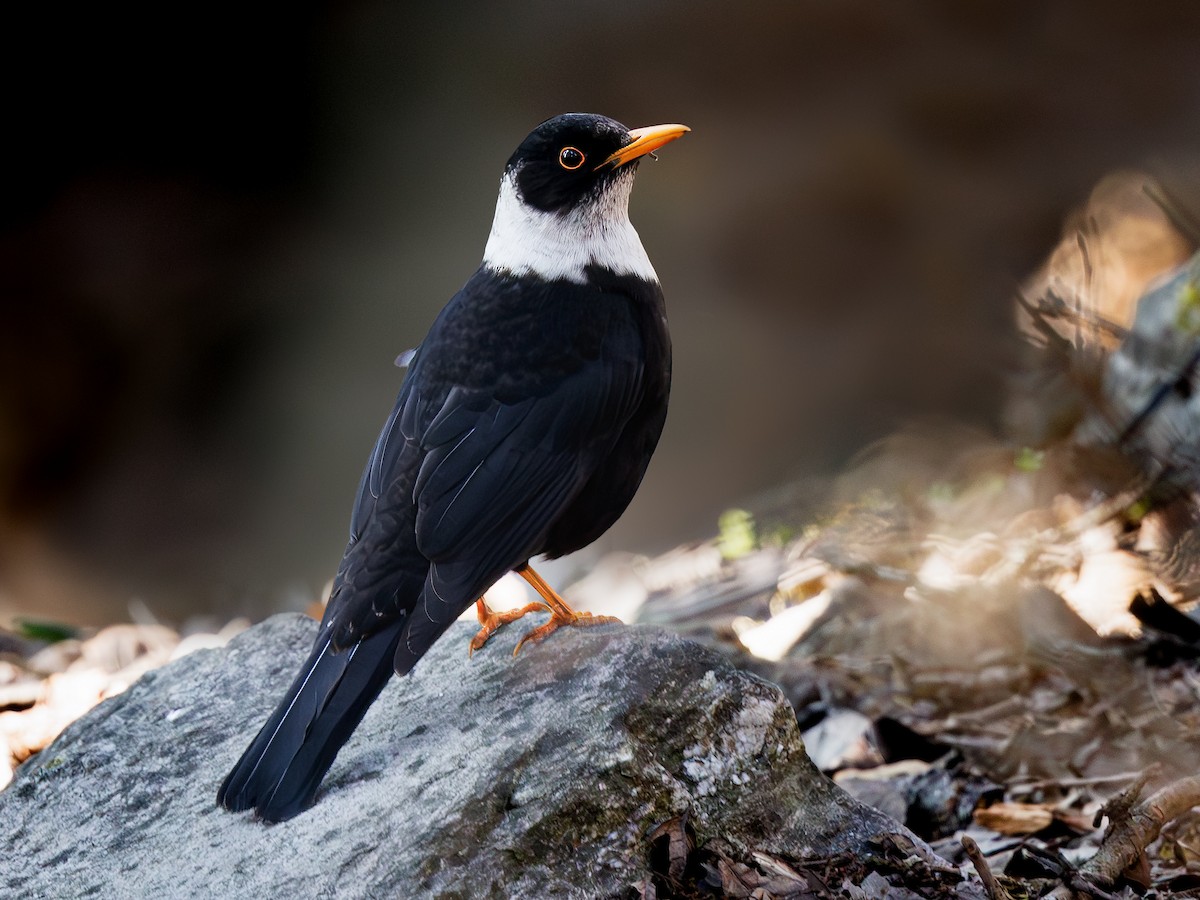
x=736 y=535
x=50 y=632
x=1029 y=460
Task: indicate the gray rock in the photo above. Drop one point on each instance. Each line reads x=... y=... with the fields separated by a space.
x=1151 y=389
x=536 y=776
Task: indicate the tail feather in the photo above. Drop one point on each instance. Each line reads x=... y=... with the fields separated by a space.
x=281 y=769
x=418 y=638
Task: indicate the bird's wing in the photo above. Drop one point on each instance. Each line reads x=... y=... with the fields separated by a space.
x=498 y=472
x=382 y=467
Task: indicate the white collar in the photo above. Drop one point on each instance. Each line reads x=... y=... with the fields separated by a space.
x=560 y=246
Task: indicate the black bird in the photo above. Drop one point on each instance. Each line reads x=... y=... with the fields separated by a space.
x=523 y=427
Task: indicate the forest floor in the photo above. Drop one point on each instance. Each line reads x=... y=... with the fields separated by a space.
x=979 y=684
x=989 y=637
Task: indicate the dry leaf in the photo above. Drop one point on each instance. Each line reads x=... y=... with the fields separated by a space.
x=1014 y=818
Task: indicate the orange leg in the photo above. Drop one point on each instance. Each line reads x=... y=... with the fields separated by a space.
x=489 y=621
x=560 y=613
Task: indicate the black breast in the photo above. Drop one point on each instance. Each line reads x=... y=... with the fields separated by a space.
x=515 y=338
x=616 y=478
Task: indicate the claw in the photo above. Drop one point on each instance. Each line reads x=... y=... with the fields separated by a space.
x=560 y=614
x=557 y=621
x=490 y=621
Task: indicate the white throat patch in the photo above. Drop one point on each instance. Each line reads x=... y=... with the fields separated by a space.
x=553 y=246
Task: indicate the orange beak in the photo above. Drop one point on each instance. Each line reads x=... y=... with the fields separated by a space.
x=645 y=140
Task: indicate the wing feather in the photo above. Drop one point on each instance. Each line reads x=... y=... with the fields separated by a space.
x=496 y=475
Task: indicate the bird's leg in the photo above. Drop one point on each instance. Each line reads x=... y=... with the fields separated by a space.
x=560 y=613
x=489 y=621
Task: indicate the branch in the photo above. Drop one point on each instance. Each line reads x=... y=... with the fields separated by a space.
x=1129 y=836
x=991 y=885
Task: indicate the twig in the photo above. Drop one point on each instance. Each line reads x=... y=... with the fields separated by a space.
x=1072 y=782
x=1161 y=393
x=1083 y=885
x=987 y=714
x=1122 y=804
x=991 y=886
x=1128 y=836
x=1088 y=271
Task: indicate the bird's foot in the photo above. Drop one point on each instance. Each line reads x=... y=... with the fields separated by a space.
x=490 y=621
x=559 y=618
x=560 y=613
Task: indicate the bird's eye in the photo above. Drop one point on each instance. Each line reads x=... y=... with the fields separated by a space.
x=570 y=158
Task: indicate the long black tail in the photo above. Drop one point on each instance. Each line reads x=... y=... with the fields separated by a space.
x=281 y=769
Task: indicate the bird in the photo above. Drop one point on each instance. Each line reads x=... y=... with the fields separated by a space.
x=523 y=427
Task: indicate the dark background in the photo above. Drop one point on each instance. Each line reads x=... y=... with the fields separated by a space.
x=221 y=223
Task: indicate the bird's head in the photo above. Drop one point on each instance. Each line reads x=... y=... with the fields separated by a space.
x=564 y=199
x=578 y=158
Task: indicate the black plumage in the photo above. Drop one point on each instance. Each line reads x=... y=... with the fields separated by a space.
x=523 y=427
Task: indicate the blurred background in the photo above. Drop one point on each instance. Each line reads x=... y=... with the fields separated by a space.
x=221 y=224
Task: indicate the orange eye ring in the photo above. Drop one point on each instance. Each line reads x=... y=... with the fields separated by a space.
x=571 y=158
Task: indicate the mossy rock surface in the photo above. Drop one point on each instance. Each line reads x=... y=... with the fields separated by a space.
x=543 y=775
